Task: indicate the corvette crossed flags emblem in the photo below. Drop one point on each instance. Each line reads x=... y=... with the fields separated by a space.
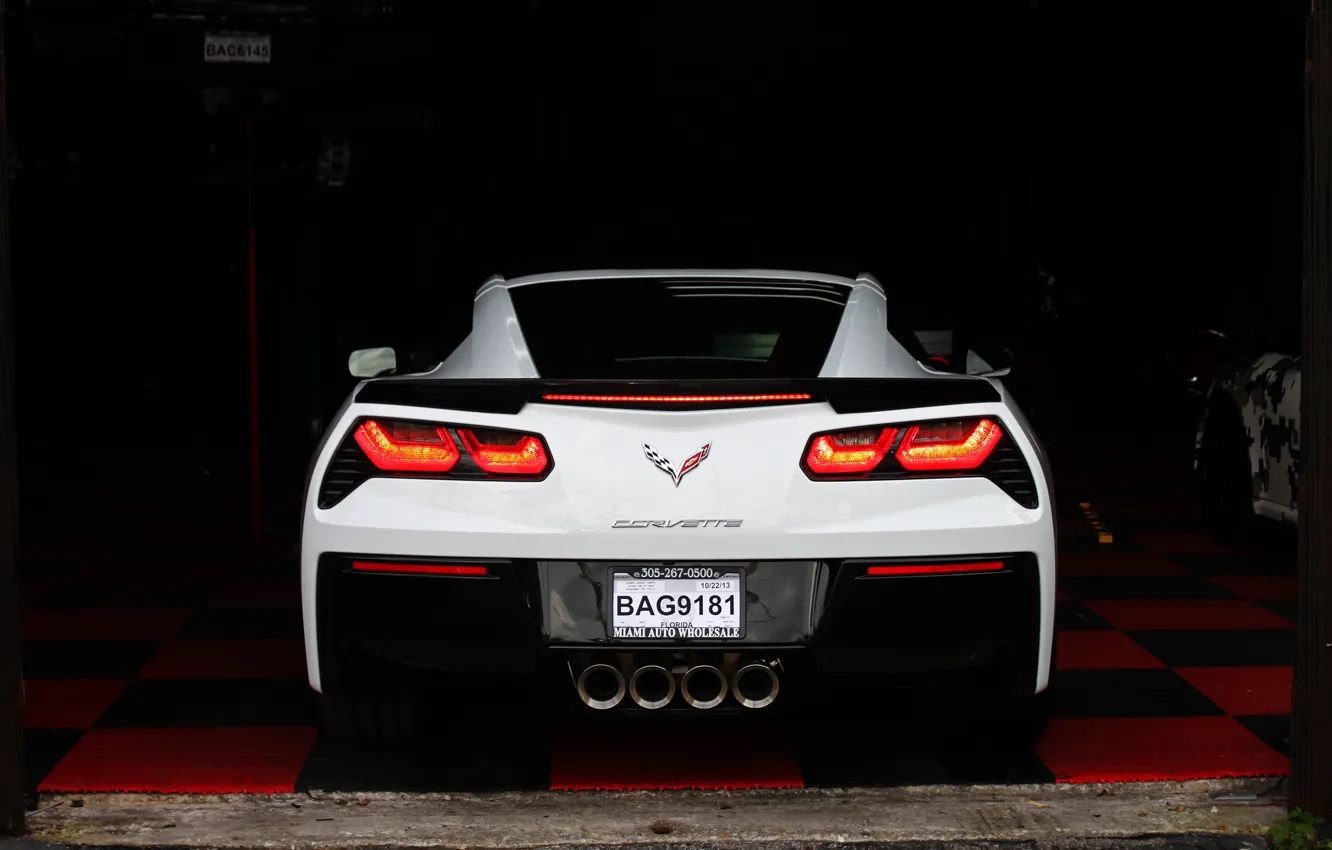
x=664 y=464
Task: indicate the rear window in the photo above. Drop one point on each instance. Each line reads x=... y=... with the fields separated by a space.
x=654 y=328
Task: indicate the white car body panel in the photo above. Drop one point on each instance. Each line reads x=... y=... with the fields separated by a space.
x=1265 y=392
x=753 y=474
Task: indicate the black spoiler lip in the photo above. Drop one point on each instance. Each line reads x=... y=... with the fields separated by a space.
x=844 y=395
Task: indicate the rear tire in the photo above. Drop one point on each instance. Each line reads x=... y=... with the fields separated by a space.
x=1022 y=721
x=1025 y=720
x=1225 y=475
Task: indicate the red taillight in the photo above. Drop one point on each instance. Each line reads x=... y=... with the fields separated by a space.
x=677 y=399
x=505 y=452
x=407 y=447
x=418 y=569
x=849 y=452
x=935 y=569
x=949 y=445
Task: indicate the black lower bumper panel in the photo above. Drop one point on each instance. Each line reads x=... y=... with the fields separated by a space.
x=828 y=619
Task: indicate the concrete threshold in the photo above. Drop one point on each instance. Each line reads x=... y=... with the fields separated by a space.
x=1042 y=813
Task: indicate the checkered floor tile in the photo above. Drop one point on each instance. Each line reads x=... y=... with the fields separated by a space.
x=1174 y=662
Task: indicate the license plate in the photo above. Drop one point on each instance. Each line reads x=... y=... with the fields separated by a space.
x=247 y=48
x=680 y=603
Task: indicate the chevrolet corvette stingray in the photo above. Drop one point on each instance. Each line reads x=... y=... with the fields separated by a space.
x=667 y=491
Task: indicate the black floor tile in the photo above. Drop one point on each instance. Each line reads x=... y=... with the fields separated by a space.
x=1149 y=524
x=1143 y=587
x=1071 y=616
x=42 y=569
x=77 y=659
x=245 y=623
x=1273 y=729
x=916 y=742
x=187 y=595
x=1258 y=563
x=217 y=548
x=269 y=569
x=42 y=751
x=220 y=702
x=900 y=762
x=1092 y=546
x=1128 y=693
x=1281 y=607
x=1231 y=648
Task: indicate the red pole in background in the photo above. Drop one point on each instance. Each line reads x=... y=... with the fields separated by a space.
x=256 y=514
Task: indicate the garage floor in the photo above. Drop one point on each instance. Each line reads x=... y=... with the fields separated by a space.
x=186 y=674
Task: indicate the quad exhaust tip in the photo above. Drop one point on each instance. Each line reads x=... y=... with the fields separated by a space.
x=652 y=686
x=755 y=686
x=601 y=686
x=703 y=686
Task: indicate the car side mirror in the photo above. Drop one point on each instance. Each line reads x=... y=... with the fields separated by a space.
x=992 y=364
x=372 y=362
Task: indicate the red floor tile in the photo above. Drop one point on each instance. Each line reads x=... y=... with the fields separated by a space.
x=99 y=624
x=1098 y=649
x=68 y=703
x=257 y=594
x=227 y=658
x=1119 y=565
x=1143 y=749
x=223 y=760
x=1147 y=614
x=1243 y=690
x=1264 y=588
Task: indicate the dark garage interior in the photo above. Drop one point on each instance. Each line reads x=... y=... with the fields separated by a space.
x=1114 y=193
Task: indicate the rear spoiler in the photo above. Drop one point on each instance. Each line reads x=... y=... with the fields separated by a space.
x=845 y=395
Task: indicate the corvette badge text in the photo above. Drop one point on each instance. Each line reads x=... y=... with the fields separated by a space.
x=677 y=523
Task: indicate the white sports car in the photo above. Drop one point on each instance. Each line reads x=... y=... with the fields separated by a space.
x=1248 y=444
x=680 y=490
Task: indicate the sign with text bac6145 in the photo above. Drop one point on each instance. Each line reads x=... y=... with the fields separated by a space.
x=249 y=48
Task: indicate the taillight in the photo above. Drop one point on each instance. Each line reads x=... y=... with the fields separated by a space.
x=407 y=446
x=975 y=447
x=948 y=445
x=676 y=399
x=849 y=452
x=397 y=448
x=935 y=569
x=505 y=452
x=418 y=569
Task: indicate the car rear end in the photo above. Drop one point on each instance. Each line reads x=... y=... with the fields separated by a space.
x=658 y=522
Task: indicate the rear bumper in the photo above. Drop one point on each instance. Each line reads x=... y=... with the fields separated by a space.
x=819 y=617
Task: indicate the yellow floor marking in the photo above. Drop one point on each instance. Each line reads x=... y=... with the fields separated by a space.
x=1103 y=534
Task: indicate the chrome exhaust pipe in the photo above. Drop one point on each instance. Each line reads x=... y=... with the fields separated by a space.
x=755 y=686
x=601 y=686
x=703 y=686
x=652 y=686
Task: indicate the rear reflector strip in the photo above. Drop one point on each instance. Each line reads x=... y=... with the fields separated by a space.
x=936 y=569
x=677 y=399
x=418 y=569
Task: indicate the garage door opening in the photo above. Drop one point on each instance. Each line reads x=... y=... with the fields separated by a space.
x=1031 y=205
